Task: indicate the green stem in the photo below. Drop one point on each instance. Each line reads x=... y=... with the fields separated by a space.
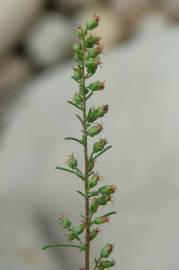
x=87 y=218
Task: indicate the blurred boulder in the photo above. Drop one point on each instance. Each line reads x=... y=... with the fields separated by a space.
x=14 y=70
x=171 y=7
x=49 y=41
x=142 y=78
x=15 y=18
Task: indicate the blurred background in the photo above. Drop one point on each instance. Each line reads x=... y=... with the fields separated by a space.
x=141 y=69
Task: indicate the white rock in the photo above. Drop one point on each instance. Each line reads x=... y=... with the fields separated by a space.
x=15 y=17
x=142 y=90
x=49 y=41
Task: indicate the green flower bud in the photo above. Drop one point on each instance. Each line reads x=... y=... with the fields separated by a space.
x=65 y=222
x=93 y=234
x=71 y=236
x=103 y=200
x=101 y=111
x=106 y=251
x=95 y=130
x=93 y=181
x=77 y=99
x=107 y=190
x=96 y=113
x=77 y=76
x=72 y=162
x=106 y=264
x=92 y=40
x=99 y=146
x=101 y=220
x=77 y=47
x=93 y=206
x=93 y=22
x=80 y=32
x=94 y=52
x=79 y=229
x=92 y=64
x=90 y=165
x=96 y=86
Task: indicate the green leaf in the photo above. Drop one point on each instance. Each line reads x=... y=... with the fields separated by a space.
x=102 y=152
x=91 y=194
x=61 y=245
x=89 y=95
x=110 y=213
x=70 y=102
x=79 y=117
x=74 y=139
x=81 y=193
x=70 y=171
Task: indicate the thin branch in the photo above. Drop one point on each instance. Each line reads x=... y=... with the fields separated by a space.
x=79 y=118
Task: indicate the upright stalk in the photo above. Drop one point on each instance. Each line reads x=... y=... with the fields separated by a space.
x=87 y=232
x=87 y=51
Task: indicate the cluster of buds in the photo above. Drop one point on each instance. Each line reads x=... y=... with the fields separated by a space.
x=107 y=189
x=100 y=201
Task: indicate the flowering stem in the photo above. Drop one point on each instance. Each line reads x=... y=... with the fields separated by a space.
x=87 y=221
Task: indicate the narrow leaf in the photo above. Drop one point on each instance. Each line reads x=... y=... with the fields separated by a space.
x=74 y=139
x=102 y=152
x=70 y=102
x=89 y=95
x=110 y=213
x=70 y=171
x=79 y=117
x=81 y=193
x=61 y=245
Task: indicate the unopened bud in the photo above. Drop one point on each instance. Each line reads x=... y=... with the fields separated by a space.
x=71 y=236
x=94 y=52
x=72 y=162
x=79 y=229
x=93 y=181
x=99 y=146
x=96 y=113
x=101 y=111
x=93 y=234
x=96 y=86
x=95 y=130
x=103 y=200
x=77 y=99
x=106 y=251
x=101 y=220
x=77 y=74
x=92 y=40
x=106 y=264
x=93 y=206
x=80 y=32
x=92 y=64
x=65 y=222
x=90 y=165
x=93 y=22
x=77 y=47
x=107 y=190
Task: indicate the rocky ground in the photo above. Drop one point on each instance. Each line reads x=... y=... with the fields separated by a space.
x=142 y=90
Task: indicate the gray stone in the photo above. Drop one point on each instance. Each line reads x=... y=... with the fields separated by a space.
x=15 y=18
x=142 y=90
x=50 y=40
